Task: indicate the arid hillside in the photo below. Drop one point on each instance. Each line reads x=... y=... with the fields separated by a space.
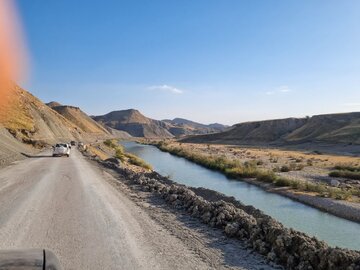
x=180 y=127
x=138 y=125
x=341 y=128
x=31 y=121
x=11 y=148
x=26 y=123
x=333 y=128
x=134 y=123
x=80 y=119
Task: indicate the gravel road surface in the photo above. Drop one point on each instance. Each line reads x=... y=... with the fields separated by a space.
x=66 y=205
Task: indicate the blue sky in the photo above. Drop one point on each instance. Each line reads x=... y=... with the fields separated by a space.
x=207 y=60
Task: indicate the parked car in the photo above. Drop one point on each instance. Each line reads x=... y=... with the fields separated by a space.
x=73 y=143
x=61 y=149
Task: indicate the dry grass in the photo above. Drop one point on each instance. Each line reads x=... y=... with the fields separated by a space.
x=126 y=157
x=98 y=152
x=18 y=115
x=250 y=169
x=275 y=155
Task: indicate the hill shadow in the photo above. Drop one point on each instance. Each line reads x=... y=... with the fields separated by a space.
x=39 y=156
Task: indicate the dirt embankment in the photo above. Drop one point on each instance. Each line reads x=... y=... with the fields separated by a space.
x=292 y=249
x=12 y=149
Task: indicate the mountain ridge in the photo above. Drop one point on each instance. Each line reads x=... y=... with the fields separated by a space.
x=326 y=128
x=134 y=123
x=138 y=125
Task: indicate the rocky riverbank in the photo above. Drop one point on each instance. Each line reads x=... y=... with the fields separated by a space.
x=290 y=248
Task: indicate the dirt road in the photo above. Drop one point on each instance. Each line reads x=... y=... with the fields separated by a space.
x=66 y=205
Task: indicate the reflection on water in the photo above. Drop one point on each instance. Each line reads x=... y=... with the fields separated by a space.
x=335 y=231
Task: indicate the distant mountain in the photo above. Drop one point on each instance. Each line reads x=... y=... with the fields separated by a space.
x=330 y=128
x=134 y=123
x=138 y=125
x=53 y=104
x=218 y=126
x=182 y=126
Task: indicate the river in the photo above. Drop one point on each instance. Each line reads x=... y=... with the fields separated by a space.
x=333 y=230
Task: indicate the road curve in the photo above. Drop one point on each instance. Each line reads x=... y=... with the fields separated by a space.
x=65 y=205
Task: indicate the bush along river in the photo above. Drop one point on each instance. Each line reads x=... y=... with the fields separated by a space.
x=333 y=230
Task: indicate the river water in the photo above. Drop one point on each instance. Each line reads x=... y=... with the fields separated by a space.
x=333 y=230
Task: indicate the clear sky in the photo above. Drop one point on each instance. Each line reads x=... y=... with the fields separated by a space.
x=223 y=61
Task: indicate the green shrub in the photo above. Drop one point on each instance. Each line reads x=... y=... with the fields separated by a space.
x=354 y=175
x=347 y=168
x=339 y=194
x=300 y=185
x=110 y=143
x=259 y=162
x=249 y=169
x=135 y=160
x=119 y=153
x=266 y=176
x=285 y=168
x=292 y=167
x=283 y=182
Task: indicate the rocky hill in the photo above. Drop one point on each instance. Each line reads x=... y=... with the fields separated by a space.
x=26 y=123
x=87 y=125
x=134 y=123
x=31 y=121
x=180 y=126
x=333 y=128
x=138 y=125
x=341 y=128
x=53 y=104
x=80 y=119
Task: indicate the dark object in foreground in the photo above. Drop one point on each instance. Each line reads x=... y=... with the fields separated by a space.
x=29 y=259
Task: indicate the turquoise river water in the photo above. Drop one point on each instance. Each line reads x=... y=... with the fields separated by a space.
x=333 y=230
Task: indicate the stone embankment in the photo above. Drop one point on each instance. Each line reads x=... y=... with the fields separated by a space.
x=290 y=248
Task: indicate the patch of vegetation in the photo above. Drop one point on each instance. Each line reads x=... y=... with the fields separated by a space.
x=285 y=168
x=111 y=143
x=259 y=162
x=119 y=153
x=249 y=169
x=292 y=167
x=350 y=168
x=135 y=160
x=123 y=156
x=354 y=175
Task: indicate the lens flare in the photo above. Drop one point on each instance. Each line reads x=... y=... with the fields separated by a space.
x=13 y=60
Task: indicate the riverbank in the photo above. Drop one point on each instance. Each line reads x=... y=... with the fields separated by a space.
x=268 y=237
x=309 y=185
